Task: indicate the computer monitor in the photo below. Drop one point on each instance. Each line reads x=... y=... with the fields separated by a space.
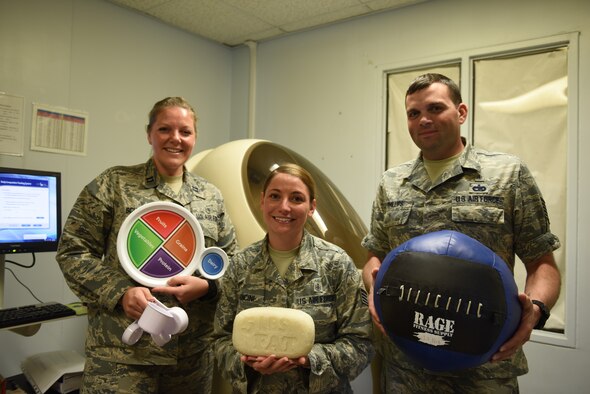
x=30 y=210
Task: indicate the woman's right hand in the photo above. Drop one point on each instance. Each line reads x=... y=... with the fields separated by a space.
x=135 y=300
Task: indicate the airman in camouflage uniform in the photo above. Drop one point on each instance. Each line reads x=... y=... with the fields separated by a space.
x=290 y=268
x=322 y=281
x=491 y=197
x=87 y=255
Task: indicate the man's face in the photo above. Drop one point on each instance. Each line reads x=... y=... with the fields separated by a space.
x=434 y=122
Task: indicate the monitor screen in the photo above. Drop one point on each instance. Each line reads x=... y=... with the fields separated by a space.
x=30 y=210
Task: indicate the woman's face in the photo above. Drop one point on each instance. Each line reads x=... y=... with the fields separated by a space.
x=172 y=137
x=285 y=207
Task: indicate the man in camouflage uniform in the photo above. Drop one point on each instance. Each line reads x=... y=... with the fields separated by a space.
x=491 y=197
x=88 y=258
x=322 y=281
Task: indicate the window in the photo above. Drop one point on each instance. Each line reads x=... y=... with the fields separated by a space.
x=520 y=106
x=522 y=99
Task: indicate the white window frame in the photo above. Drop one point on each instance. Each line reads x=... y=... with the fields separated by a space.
x=466 y=59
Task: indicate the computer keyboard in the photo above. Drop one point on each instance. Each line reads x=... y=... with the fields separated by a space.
x=12 y=317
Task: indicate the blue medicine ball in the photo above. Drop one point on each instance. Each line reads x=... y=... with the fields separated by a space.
x=446 y=300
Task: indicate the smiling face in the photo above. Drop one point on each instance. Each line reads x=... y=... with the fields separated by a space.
x=286 y=205
x=434 y=121
x=172 y=136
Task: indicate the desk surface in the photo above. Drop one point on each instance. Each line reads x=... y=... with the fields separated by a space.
x=20 y=384
x=29 y=329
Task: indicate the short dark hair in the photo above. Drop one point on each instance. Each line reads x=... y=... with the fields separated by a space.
x=425 y=80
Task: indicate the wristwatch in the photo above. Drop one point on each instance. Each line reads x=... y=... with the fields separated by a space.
x=544 y=314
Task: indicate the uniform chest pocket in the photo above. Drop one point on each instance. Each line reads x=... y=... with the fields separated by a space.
x=477 y=214
x=399 y=213
x=324 y=317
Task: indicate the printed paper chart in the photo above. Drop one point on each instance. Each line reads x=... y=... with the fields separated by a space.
x=160 y=240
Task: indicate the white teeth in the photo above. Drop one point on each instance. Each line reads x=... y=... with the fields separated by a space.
x=282 y=220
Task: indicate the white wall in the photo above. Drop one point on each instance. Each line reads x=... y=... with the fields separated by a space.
x=93 y=56
x=319 y=93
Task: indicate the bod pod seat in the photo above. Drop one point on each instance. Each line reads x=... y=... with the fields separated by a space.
x=239 y=169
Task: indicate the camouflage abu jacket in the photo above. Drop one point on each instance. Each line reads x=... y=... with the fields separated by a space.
x=87 y=255
x=322 y=281
x=491 y=197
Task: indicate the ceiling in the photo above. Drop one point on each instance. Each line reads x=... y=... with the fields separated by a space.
x=233 y=22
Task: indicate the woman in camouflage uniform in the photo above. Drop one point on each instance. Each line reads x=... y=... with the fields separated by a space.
x=88 y=258
x=291 y=268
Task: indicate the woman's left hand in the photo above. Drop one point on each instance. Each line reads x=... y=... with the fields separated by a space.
x=184 y=288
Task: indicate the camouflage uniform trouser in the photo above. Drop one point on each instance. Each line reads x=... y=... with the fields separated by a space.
x=191 y=375
x=402 y=381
